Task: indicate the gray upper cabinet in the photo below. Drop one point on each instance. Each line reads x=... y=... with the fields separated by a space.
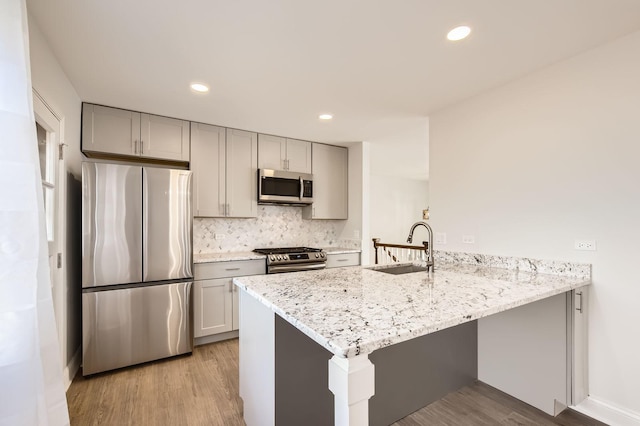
x=224 y=164
x=117 y=132
x=330 y=183
x=242 y=173
x=299 y=156
x=208 y=146
x=110 y=130
x=278 y=153
x=271 y=152
x=164 y=138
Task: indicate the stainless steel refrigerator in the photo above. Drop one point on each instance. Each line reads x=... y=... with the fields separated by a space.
x=136 y=265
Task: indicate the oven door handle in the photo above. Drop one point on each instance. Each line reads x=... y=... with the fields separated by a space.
x=299 y=267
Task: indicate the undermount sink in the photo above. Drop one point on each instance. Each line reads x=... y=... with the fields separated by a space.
x=405 y=269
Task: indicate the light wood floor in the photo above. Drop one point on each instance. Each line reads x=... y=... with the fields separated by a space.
x=202 y=389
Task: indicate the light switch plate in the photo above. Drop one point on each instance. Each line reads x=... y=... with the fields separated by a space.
x=441 y=238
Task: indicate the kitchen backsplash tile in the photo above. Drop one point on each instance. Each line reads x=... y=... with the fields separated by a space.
x=275 y=226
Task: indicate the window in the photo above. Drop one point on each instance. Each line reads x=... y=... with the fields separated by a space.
x=47 y=155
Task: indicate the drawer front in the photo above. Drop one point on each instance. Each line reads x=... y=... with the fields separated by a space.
x=236 y=268
x=347 y=259
x=116 y=325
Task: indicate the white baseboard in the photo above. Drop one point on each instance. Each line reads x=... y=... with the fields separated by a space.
x=72 y=368
x=215 y=338
x=607 y=413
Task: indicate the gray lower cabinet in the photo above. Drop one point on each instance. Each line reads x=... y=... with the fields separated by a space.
x=114 y=133
x=215 y=298
x=342 y=259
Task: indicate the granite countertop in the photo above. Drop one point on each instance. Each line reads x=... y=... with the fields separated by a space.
x=356 y=310
x=226 y=257
x=340 y=250
x=249 y=255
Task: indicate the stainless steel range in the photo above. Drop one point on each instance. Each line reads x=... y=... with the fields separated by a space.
x=291 y=259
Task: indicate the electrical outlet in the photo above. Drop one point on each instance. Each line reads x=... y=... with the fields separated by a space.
x=468 y=239
x=425 y=214
x=219 y=236
x=585 y=245
x=441 y=238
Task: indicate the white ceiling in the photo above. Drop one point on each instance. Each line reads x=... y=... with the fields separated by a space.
x=380 y=66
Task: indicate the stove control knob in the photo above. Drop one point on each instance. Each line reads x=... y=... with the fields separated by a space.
x=285 y=257
x=317 y=255
x=272 y=257
x=321 y=254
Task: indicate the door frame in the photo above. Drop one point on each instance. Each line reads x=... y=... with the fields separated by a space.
x=53 y=122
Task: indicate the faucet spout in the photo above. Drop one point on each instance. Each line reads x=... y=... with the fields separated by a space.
x=429 y=247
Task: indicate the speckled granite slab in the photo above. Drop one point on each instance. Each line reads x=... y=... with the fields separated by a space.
x=356 y=310
x=341 y=250
x=226 y=257
x=518 y=263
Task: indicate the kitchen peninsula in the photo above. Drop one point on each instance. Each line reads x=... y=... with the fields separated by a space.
x=339 y=325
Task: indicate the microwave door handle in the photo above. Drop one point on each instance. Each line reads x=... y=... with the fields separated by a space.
x=301 y=188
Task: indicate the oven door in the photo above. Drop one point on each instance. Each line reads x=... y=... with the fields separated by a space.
x=280 y=187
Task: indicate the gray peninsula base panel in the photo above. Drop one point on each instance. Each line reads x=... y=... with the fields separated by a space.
x=409 y=375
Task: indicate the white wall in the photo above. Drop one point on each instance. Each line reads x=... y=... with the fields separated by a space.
x=396 y=203
x=399 y=189
x=531 y=166
x=52 y=84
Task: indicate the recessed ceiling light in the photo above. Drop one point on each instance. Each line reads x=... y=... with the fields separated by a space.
x=199 y=87
x=325 y=116
x=458 y=33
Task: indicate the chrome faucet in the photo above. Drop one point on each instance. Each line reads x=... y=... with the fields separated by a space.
x=429 y=245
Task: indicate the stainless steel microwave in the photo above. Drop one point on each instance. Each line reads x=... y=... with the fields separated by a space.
x=280 y=187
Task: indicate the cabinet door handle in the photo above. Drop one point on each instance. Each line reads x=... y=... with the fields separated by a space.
x=141 y=147
x=579 y=308
x=232 y=269
x=341 y=260
x=228 y=210
x=230 y=286
x=135 y=146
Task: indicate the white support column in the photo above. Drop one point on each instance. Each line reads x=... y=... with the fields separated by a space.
x=352 y=381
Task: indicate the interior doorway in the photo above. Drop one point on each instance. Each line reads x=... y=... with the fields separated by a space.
x=48 y=131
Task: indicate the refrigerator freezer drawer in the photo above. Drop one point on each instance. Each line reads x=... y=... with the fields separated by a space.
x=124 y=327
